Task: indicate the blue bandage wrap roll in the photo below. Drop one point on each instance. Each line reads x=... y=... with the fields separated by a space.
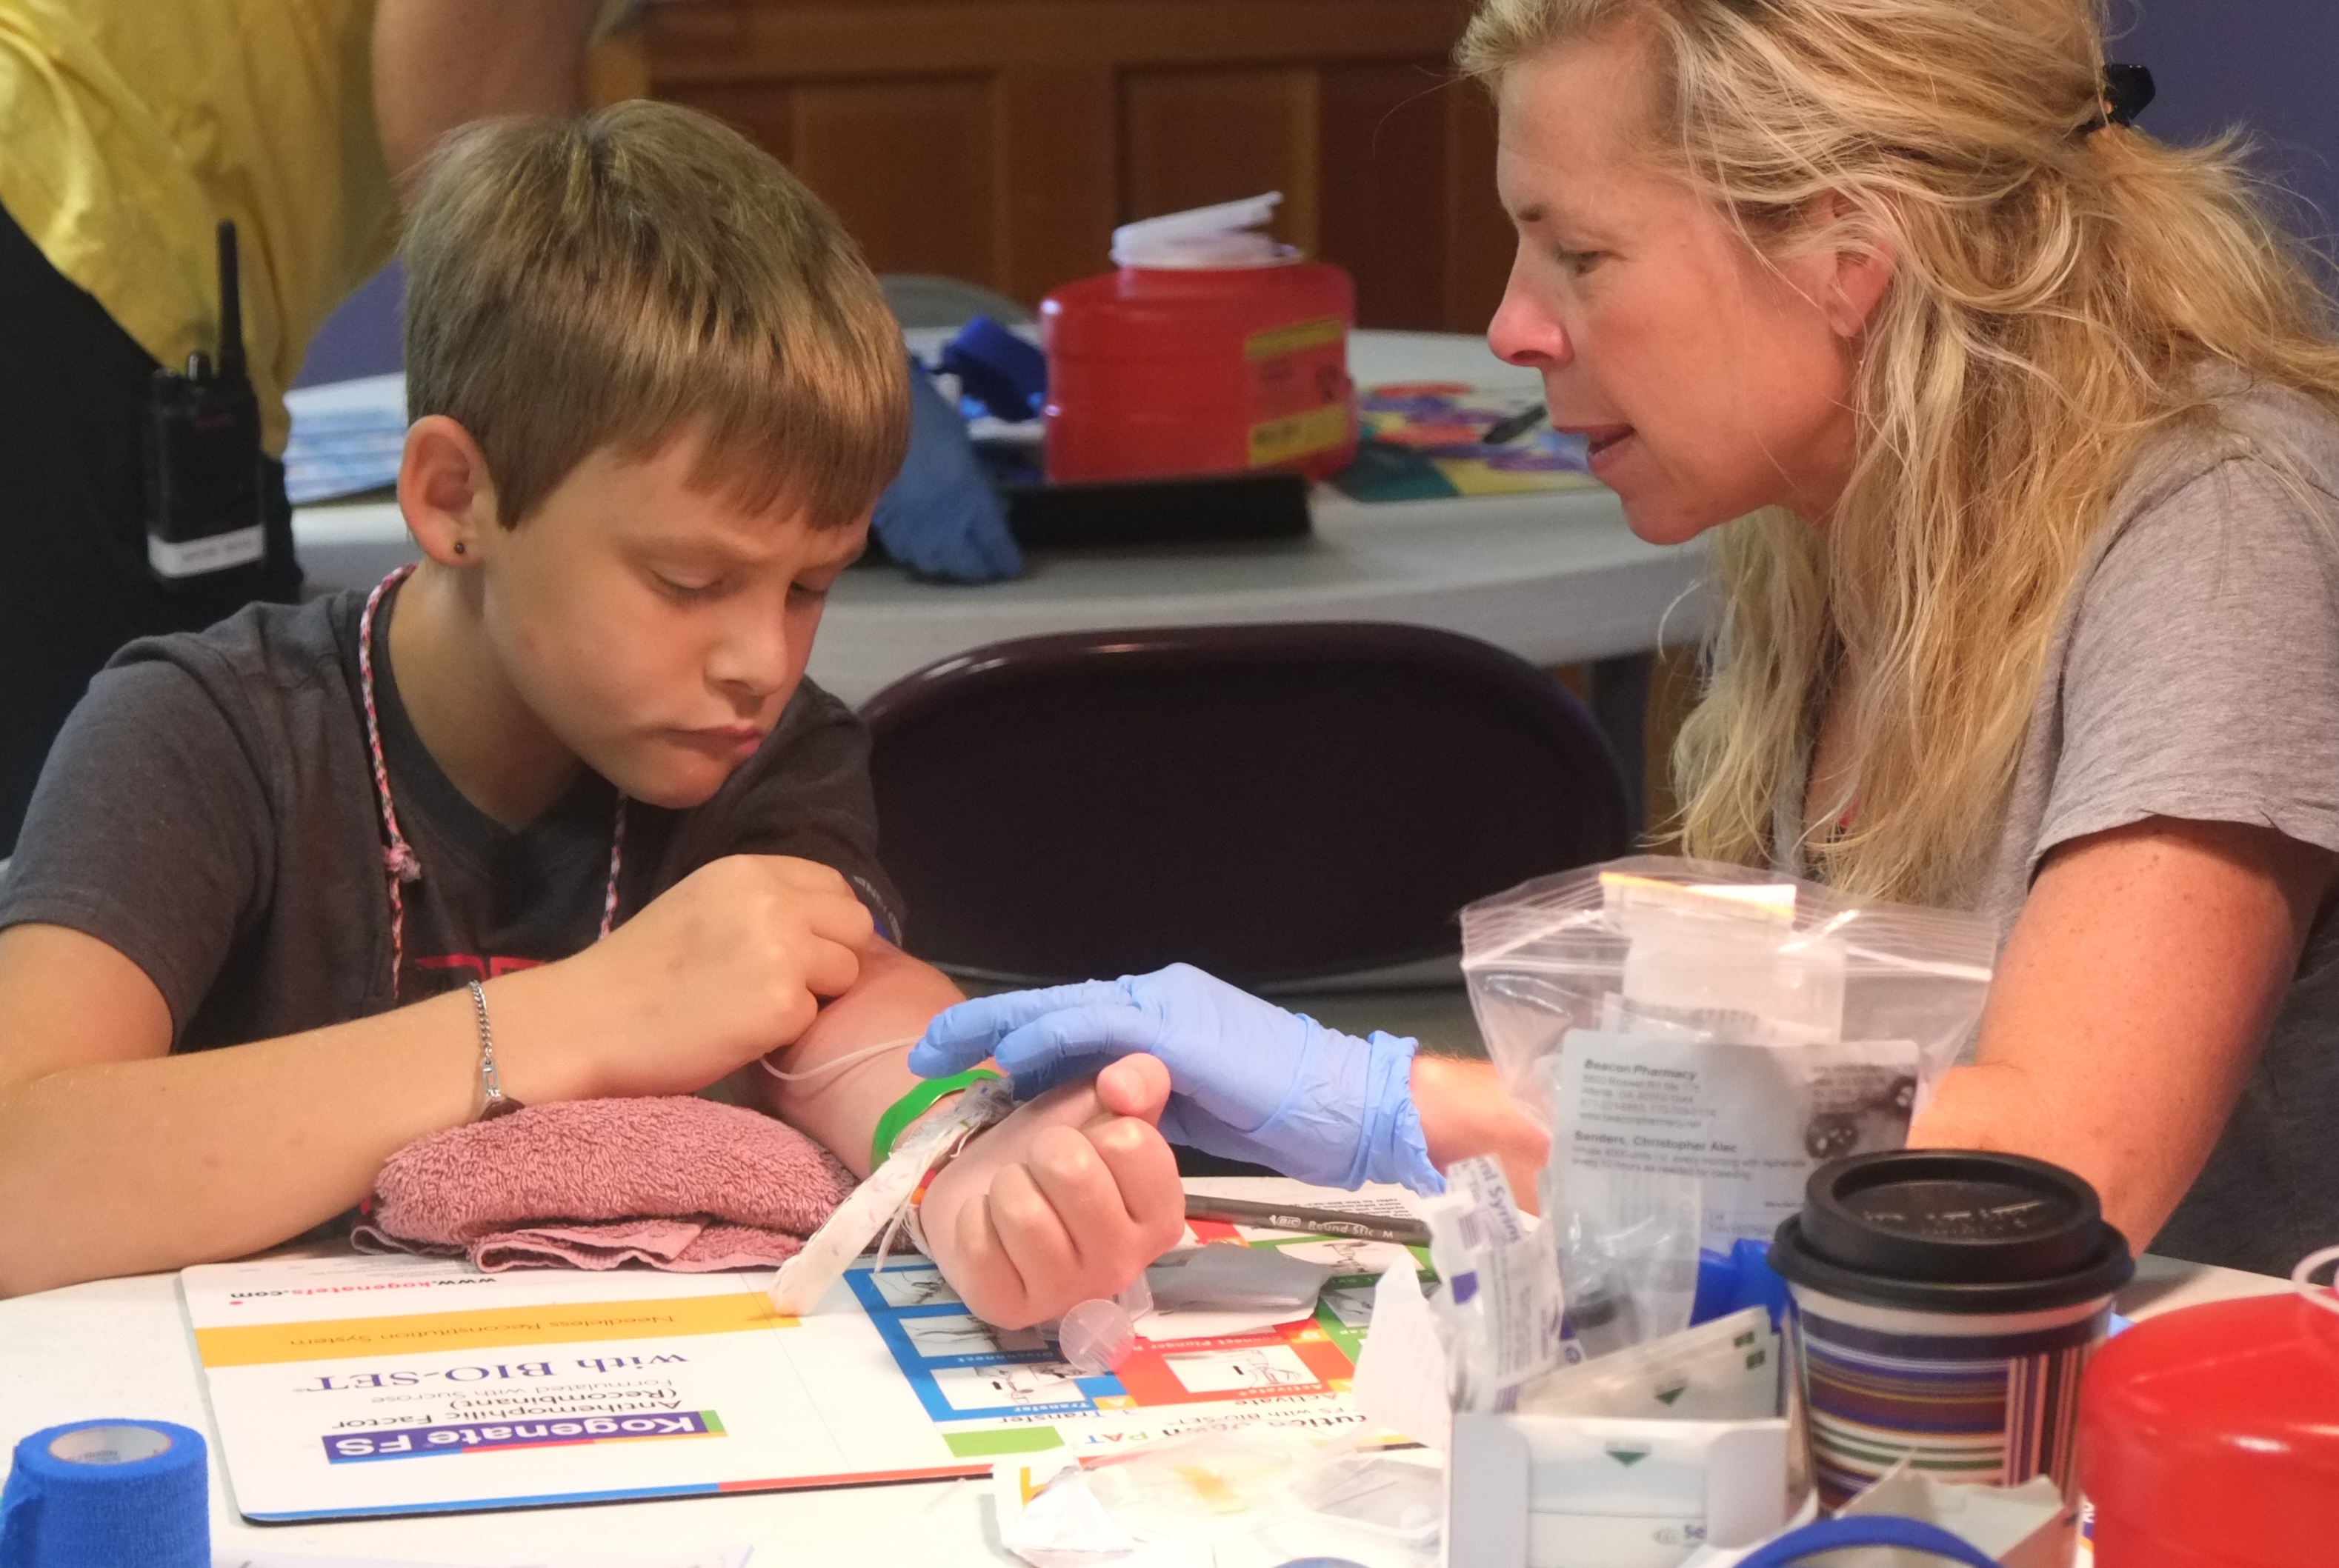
x=108 y=1493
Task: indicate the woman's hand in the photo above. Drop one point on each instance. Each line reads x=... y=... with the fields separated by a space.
x=1251 y=1080
x=1067 y=1199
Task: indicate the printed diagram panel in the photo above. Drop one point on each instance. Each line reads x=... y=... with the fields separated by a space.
x=995 y=1392
x=348 y=1385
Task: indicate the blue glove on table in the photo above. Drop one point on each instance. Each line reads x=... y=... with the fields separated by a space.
x=939 y=517
x=1247 y=1080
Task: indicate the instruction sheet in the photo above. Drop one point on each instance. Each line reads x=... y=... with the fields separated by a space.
x=343 y=1385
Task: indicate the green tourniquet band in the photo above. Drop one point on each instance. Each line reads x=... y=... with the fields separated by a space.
x=914 y=1105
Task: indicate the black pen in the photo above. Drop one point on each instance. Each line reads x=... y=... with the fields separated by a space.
x=1502 y=432
x=1308 y=1221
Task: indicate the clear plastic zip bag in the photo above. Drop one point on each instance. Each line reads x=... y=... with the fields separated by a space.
x=1696 y=949
x=1688 y=1018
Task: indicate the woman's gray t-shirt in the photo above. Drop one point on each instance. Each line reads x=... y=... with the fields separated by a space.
x=2196 y=674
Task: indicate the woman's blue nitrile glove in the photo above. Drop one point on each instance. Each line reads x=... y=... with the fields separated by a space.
x=939 y=517
x=1247 y=1080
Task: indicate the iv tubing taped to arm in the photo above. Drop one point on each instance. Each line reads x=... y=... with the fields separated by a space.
x=848 y=1059
x=881 y=1202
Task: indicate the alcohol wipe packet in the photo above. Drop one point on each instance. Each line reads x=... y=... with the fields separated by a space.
x=1500 y=1295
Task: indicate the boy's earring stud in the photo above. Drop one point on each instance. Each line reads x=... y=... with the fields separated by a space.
x=459 y=546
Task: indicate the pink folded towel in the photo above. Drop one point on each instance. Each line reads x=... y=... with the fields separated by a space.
x=681 y=1184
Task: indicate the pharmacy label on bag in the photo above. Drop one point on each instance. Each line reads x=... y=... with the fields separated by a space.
x=1751 y=1121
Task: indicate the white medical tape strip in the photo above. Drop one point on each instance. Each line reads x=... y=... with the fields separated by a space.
x=882 y=1200
x=214 y=553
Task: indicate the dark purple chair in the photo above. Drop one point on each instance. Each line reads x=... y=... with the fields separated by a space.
x=1283 y=805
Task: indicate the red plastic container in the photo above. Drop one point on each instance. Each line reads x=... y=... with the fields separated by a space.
x=2209 y=1438
x=1187 y=365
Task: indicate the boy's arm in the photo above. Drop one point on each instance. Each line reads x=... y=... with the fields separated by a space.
x=1068 y=1199
x=838 y=1106
x=118 y=1158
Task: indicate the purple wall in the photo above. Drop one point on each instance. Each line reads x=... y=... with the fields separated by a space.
x=2269 y=66
x=362 y=338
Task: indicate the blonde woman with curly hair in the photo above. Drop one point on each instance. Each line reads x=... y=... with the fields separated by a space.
x=2018 y=435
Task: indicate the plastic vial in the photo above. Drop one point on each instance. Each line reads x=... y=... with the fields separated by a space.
x=1097 y=1336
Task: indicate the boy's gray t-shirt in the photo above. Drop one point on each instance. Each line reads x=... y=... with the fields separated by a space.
x=210 y=811
x=2196 y=674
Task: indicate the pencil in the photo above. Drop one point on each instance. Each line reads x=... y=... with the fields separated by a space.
x=1502 y=432
x=1307 y=1220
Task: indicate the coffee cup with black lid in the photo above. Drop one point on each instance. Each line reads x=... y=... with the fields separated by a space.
x=1945 y=1305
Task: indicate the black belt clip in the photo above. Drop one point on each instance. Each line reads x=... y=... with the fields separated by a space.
x=203 y=506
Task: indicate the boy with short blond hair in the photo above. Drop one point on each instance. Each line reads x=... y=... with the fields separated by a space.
x=568 y=772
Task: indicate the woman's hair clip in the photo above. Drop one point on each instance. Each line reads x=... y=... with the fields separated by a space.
x=2128 y=92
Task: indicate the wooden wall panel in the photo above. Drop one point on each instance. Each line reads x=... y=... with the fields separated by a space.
x=1060 y=176
x=1385 y=172
x=746 y=39
x=1478 y=237
x=1190 y=138
x=764 y=112
x=909 y=167
x=1002 y=139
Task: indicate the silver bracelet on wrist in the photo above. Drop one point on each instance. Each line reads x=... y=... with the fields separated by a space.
x=496 y=1102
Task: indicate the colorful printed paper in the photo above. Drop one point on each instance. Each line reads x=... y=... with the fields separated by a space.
x=345 y=1386
x=1424 y=440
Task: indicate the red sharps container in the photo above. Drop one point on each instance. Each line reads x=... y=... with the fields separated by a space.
x=1212 y=350
x=2210 y=1439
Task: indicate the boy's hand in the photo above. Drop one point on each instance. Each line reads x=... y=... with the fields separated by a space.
x=1067 y=1199
x=728 y=963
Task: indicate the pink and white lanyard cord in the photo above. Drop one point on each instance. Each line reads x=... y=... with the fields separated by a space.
x=398 y=860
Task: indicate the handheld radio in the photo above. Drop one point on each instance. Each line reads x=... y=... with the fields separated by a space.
x=203 y=508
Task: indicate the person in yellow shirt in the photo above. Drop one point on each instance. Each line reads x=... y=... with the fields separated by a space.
x=132 y=130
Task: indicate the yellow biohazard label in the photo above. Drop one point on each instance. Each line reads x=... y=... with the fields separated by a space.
x=1300 y=400
x=1319 y=333
x=1297 y=435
